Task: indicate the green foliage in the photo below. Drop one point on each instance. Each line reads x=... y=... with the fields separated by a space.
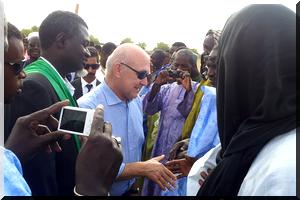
x=94 y=40
x=126 y=40
x=25 y=32
x=142 y=45
x=162 y=45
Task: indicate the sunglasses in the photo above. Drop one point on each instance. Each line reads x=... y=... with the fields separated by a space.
x=140 y=74
x=93 y=66
x=16 y=67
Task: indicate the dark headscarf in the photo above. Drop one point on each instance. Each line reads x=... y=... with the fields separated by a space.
x=256 y=90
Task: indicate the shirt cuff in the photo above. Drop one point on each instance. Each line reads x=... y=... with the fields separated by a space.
x=121 y=169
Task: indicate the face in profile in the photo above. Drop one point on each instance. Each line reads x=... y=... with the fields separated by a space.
x=134 y=80
x=75 y=51
x=13 y=69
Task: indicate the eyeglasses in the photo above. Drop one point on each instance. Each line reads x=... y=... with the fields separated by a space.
x=93 y=66
x=140 y=74
x=16 y=67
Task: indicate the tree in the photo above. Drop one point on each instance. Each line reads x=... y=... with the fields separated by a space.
x=94 y=40
x=142 y=45
x=35 y=29
x=126 y=40
x=25 y=32
x=163 y=46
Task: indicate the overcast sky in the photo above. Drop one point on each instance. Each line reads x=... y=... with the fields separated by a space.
x=149 y=21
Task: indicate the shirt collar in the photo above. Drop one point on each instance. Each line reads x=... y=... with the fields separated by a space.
x=84 y=83
x=110 y=96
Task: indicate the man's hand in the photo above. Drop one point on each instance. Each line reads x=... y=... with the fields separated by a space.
x=204 y=175
x=186 y=81
x=163 y=78
x=31 y=133
x=178 y=148
x=158 y=173
x=181 y=166
x=99 y=159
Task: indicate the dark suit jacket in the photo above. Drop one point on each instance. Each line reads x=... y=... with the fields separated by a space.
x=46 y=174
x=78 y=87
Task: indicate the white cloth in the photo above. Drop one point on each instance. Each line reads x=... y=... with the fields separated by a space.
x=273 y=172
x=84 y=83
x=202 y=164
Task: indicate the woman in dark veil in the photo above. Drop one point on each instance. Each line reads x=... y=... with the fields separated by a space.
x=256 y=104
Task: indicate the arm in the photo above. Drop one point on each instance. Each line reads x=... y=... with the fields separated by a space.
x=152 y=169
x=152 y=102
x=185 y=106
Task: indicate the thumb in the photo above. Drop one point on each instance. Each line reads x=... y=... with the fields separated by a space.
x=159 y=158
x=51 y=137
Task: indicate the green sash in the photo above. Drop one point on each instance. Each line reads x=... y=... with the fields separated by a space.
x=42 y=67
x=192 y=117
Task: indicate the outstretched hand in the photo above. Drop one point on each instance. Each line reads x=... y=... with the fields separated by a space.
x=181 y=167
x=158 y=173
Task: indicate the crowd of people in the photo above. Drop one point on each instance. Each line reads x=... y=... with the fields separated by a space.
x=222 y=123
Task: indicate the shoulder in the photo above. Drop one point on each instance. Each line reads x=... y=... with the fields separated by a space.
x=76 y=81
x=273 y=172
x=93 y=98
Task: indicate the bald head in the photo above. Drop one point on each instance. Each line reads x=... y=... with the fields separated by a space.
x=127 y=53
x=124 y=65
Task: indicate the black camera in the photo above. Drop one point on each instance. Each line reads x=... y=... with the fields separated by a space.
x=174 y=73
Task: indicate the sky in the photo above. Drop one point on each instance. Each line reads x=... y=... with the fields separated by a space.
x=149 y=21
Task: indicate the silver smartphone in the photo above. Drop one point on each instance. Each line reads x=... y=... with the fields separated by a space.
x=76 y=120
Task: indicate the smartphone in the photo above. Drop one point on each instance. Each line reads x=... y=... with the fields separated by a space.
x=76 y=120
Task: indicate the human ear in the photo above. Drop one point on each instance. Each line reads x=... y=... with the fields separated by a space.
x=60 y=40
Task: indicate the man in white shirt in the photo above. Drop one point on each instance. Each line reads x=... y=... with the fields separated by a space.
x=85 y=84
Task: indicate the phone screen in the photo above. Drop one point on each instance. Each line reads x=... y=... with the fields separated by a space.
x=73 y=120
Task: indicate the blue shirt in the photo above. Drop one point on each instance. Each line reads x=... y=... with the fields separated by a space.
x=14 y=182
x=205 y=135
x=127 y=122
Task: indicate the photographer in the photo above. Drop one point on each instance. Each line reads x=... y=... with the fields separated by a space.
x=174 y=100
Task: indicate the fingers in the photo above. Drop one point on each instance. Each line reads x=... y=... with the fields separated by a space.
x=170 y=178
x=52 y=123
x=52 y=137
x=42 y=115
x=203 y=174
x=201 y=182
x=98 y=120
x=159 y=158
x=159 y=183
x=107 y=129
x=57 y=107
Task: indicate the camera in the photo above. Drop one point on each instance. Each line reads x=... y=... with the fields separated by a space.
x=76 y=120
x=174 y=73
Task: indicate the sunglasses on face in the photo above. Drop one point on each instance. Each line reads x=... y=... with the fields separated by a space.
x=16 y=67
x=93 y=66
x=140 y=74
